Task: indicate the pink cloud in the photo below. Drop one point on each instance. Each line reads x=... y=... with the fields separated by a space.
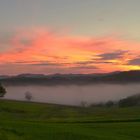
x=43 y=45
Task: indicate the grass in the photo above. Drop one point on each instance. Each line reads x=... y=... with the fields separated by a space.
x=35 y=121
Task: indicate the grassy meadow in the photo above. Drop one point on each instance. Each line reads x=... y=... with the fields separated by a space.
x=36 y=121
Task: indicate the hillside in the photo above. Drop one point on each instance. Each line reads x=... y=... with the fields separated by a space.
x=125 y=77
x=27 y=121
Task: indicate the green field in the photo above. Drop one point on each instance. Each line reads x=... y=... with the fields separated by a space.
x=35 y=121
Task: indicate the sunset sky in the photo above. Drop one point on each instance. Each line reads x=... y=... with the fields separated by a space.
x=69 y=36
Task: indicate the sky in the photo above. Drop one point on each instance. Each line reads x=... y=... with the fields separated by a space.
x=69 y=36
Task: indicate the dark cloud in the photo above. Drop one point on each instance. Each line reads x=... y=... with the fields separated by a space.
x=79 y=65
x=48 y=64
x=93 y=61
x=135 y=61
x=26 y=62
x=85 y=67
x=104 y=58
x=112 y=55
x=38 y=63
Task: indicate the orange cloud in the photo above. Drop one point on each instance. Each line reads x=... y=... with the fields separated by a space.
x=35 y=49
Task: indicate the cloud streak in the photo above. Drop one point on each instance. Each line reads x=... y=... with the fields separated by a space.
x=112 y=55
x=135 y=61
x=41 y=48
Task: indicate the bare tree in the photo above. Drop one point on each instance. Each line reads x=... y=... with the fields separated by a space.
x=28 y=96
x=84 y=104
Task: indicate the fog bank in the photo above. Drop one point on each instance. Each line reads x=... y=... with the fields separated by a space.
x=73 y=95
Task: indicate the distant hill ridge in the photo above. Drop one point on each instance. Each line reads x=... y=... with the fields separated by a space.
x=123 y=77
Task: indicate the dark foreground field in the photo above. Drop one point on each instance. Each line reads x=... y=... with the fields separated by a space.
x=34 y=121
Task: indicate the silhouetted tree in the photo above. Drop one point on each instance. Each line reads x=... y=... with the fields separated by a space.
x=109 y=103
x=2 y=91
x=83 y=104
x=28 y=96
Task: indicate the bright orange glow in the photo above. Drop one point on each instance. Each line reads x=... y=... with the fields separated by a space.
x=46 y=52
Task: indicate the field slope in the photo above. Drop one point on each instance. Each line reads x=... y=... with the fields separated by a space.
x=35 y=121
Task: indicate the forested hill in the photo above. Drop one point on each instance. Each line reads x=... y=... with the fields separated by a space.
x=125 y=77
